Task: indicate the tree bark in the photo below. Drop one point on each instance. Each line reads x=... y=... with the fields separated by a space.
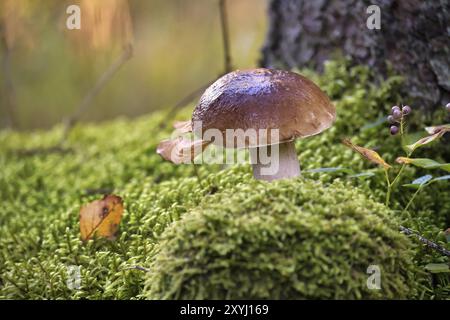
x=414 y=38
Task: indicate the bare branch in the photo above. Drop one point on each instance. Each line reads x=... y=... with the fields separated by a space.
x=427 y=242
x=9 y=91
x=184 y=101
x=99 y=85
x=227 y=65
x=225 y=36
x=137 y=268
x=103 y=191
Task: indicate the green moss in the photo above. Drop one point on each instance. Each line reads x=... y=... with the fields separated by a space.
x=291 y=239
x=360 y=103
x=41 y=193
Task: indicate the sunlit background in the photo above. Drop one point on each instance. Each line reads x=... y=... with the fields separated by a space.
x=47 y=70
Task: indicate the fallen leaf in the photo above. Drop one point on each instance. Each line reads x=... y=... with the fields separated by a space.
x=181 y=150
x=101 y=218
x=183 y=126
x=369 y=154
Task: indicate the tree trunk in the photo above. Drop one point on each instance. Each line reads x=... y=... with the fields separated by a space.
x=414 y=37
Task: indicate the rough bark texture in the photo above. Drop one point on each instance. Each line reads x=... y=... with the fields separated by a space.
x=414 y=37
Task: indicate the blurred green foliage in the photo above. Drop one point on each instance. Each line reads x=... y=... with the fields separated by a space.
x=177 y=49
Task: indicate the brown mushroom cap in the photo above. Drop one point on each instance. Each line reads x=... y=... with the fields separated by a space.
x=265 y=99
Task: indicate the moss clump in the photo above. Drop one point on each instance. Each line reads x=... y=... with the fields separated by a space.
x=286 y=240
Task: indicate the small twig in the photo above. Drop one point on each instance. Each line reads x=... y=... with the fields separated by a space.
x=86 y=102
x=225 y=35
x=9 y=91
x=99 y=85
x=427 y=242
x=47 y=275
x=412 y=198
x=98 y=191
x=8 y=279
x=184 y=101
x=397 y=177
x=227 y=67
x=388 y=192
x=137 y=268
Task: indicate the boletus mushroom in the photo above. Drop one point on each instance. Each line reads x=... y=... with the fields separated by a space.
x=260 y=101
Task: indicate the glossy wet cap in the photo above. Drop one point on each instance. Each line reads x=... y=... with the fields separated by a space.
x=265 y=99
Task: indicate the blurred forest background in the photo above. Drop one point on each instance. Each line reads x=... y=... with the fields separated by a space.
x=46 y=69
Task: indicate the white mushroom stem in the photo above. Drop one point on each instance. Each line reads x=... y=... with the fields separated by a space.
x=275 y=162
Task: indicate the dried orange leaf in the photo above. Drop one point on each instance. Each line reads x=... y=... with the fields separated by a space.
x=181 y=150
x=183 y=126
x=101 y=218
x=370 y=155
x=403 y=160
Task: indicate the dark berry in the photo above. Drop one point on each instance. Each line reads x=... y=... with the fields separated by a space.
x=394 y=130
x=391 y=120
x=406 y=110
x=397 y=114
x=395 y=108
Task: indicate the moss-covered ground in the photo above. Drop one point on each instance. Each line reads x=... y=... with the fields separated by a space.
x=219 y=233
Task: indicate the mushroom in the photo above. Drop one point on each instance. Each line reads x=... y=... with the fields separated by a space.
x=262 y=100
